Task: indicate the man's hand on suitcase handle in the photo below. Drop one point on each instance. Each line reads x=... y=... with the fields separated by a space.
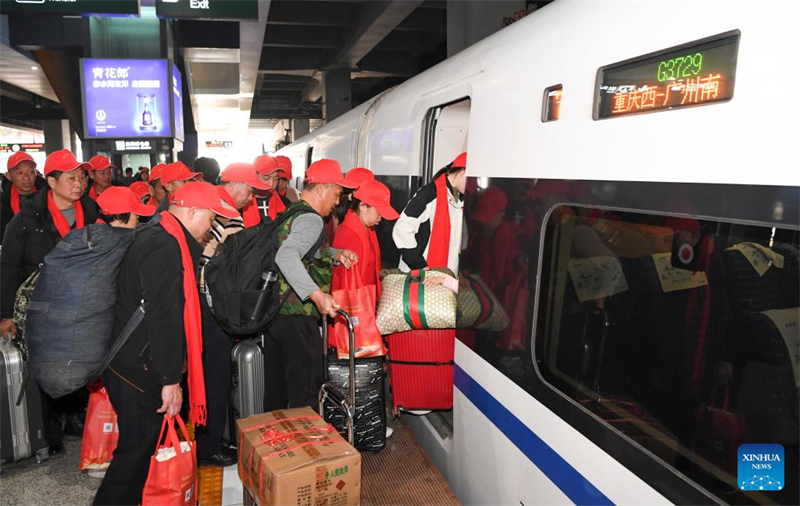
x=172 y=397
x=326 y=305
x=7 y=328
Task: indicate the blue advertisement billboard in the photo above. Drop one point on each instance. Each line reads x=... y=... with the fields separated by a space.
x=126 y=98
x=177 y=101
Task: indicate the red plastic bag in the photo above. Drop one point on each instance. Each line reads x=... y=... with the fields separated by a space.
x=172 y=480
x=718 y=433
x=101 y=432
x=359 y=302
x=516 y=335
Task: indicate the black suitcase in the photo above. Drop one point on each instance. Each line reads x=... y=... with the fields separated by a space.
x=247 y=384
x=22 y=420
x=358 y=405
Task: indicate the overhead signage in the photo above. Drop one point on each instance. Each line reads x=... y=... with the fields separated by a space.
x=702 y=72
x=126 y=98
x=207 y=9
x=144 y=145
x=15 y=147
x=219 y=144
x=73 y=7
x=177 y=103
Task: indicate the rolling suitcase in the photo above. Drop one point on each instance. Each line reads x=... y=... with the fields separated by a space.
x=355 y=408
x=421 y=369
x=247 y=383
x=22 y=419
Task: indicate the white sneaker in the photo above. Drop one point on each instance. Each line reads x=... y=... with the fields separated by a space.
x=96 y=473
x=389 y=432
x=419 y=412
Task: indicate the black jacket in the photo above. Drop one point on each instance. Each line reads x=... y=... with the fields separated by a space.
x=6 y=213
x=28 y=238
x=151 y=271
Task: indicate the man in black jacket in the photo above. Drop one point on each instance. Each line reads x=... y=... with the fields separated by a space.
x=21 y=183
x=143 y=380
x=41 y=223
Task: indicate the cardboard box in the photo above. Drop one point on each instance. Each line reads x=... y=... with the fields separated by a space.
x=292 y=456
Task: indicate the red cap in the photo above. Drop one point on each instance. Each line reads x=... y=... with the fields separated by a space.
x=155 y=172
x=327 y=171
x=205 y=196
x=378 y=196
x=139 y=188
x=490 y=202
x=265 y=165
x=121 y=200
x=177 y=171
x=677 y=223
x=284 y=166
x=359 y=176
x=243 y=173
x=63 y=161
x=460 y=161
x=100 y=162
x=19 y=157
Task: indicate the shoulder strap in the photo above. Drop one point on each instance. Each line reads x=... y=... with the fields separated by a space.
x=133 y=322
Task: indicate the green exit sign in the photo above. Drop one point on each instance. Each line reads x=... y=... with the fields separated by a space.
x=207 y=9
x=72 y=7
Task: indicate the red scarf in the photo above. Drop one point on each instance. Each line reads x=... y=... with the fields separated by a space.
x=439 y=246
x=58 y=218
x=251 y=214
x=369 y=246
x=93 y=193
x=192 y=322
x=276 y=205
x=15 y=198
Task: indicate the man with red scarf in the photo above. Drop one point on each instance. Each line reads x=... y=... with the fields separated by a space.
x=42 y=221
x=101 y=172
x=143 y=380
x=267 y=203
x=21 y=182
x=284 y=176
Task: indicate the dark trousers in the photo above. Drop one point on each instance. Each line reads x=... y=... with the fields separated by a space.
x=139 y=426
x=217 y=346
x=293 y=362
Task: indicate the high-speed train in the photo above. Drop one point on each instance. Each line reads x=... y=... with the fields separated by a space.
x=648 y=260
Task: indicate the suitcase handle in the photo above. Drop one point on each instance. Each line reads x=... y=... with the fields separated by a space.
x=331 y=392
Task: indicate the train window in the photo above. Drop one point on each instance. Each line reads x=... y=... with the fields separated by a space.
x=680 y=333
x=551 y=108
x=702 y=72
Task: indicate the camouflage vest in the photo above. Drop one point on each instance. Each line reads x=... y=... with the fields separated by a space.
x=320 y=268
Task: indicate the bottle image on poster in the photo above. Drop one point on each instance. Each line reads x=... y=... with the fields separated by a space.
x=126 y=98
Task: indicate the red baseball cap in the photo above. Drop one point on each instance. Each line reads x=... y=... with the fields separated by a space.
x=284 y=166
x=63 y=161
x=155 y=172
x=378 y=196
x=359 y=176
x=205 y=196
x=100 y=162
x=265 y=165
x=177 y=171
x=19 y=157
x=240 y=172
x=460 y=161
x=491 y=201
x=327 y=171
x=121 y=200
x=139 y=188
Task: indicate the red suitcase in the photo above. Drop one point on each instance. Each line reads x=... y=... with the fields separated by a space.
x=421 y=369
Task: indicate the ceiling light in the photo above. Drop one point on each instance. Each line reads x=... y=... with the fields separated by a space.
x=34 y=68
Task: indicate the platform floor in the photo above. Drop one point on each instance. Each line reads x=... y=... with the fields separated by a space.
x=400 y=474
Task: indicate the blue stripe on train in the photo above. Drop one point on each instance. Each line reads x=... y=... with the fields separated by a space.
x=564 y=476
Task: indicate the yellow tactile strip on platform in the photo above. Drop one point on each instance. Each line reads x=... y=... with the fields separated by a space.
x=209 y=485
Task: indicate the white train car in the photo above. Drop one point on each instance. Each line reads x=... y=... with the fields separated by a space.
x=611 y=126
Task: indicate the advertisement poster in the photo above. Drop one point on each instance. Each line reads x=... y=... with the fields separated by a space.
x=177 y=97
x=126 y=98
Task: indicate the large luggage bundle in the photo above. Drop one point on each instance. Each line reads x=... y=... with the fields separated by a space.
x=22 y=422
x=421 y=368
x=370 y=415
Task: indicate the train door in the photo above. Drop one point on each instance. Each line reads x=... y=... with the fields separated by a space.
x=445 y=134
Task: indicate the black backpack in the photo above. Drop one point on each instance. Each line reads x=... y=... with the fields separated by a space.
x=241 y=278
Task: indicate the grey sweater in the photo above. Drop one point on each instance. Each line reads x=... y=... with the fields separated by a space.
x=306 y=229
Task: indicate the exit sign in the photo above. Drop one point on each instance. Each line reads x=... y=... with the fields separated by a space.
x=207 y=9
